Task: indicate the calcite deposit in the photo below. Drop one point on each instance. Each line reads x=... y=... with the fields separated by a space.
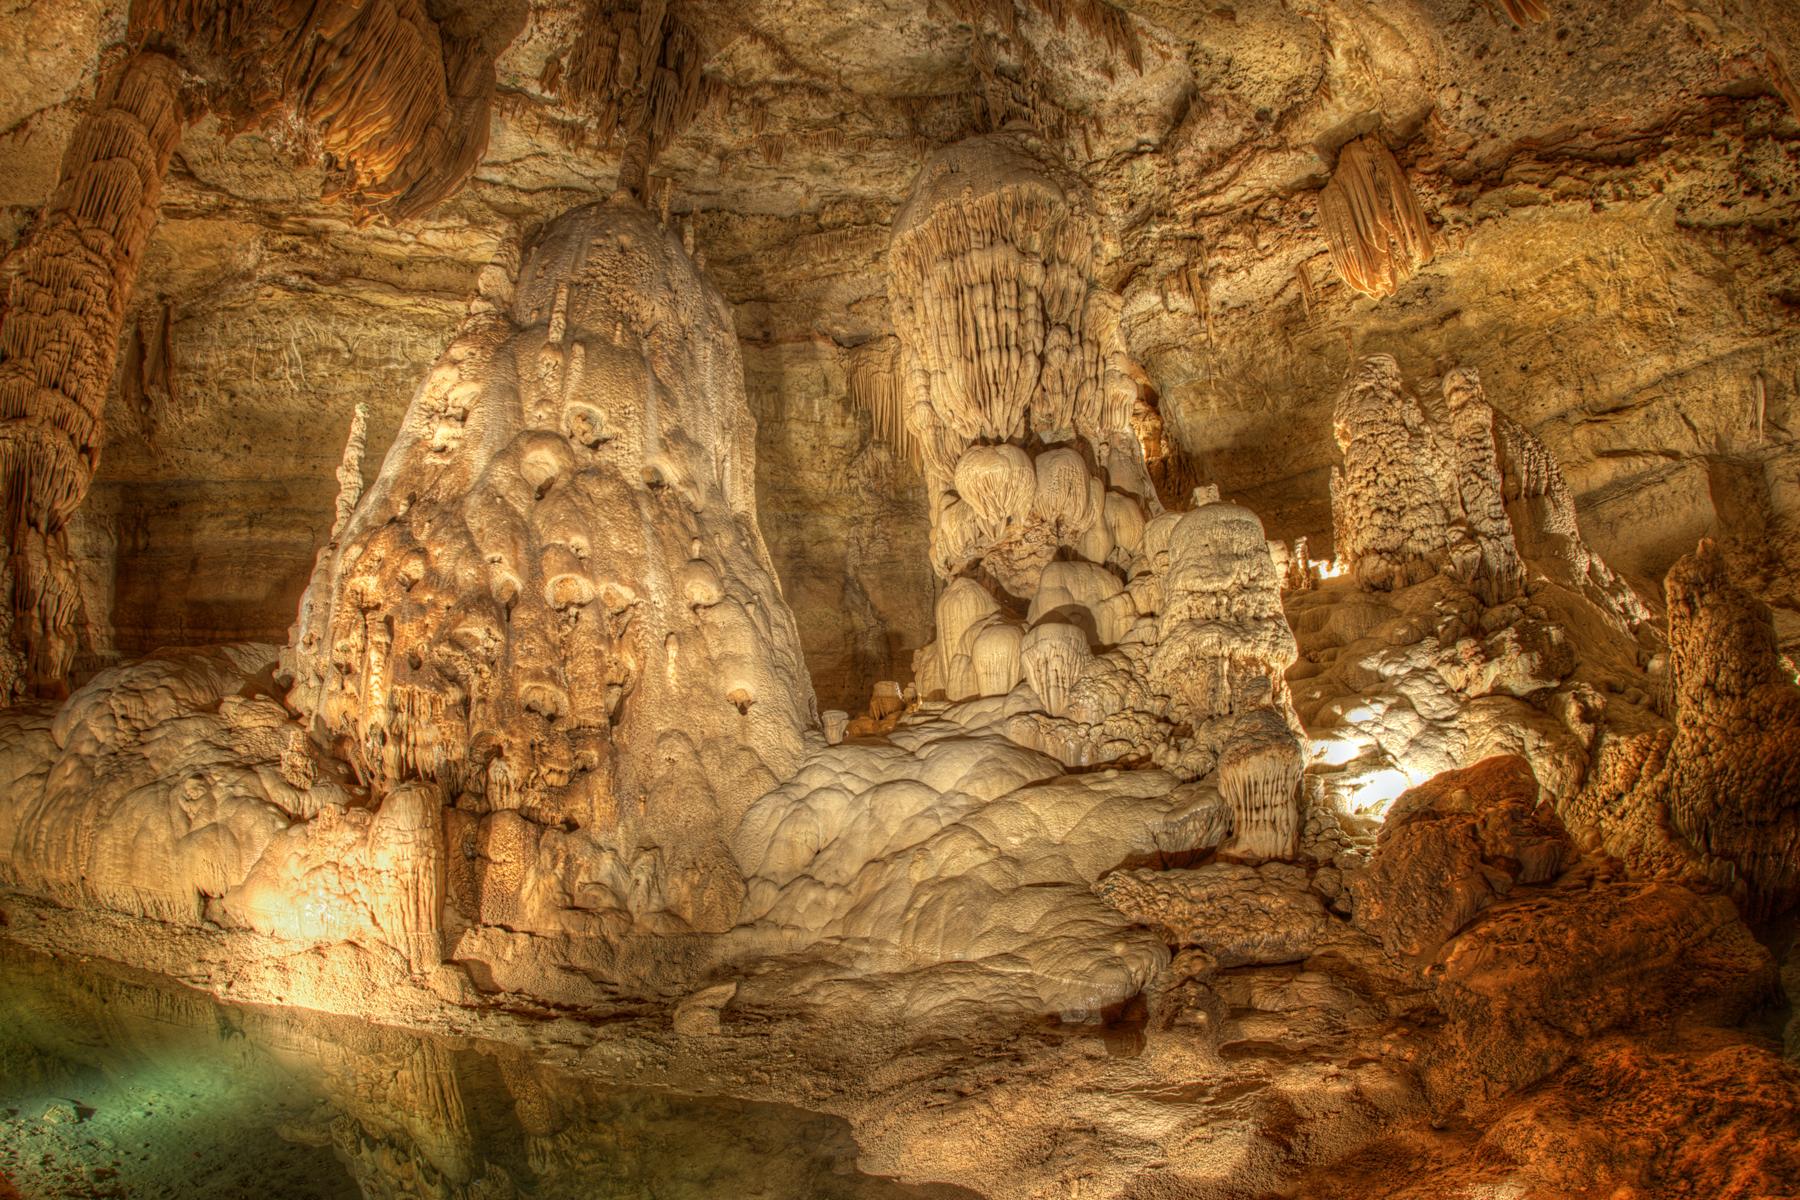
x=1129 y=599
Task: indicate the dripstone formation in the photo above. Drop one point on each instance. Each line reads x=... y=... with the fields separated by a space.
x=1309 y=681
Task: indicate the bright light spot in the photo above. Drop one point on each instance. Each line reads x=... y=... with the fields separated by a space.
x=1374 y=792
x=1335 y=753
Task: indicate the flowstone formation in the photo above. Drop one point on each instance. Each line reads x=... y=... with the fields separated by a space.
x=554 y=603
x=543 y=669
x=1471 y=618
x=1079 y=626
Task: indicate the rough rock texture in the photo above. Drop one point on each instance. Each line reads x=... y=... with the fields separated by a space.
x=966 y=861
x=1450 y=848
x=1539 y=975
x=65 y=307
x=1006 y=279
x=1237 y=914
x=158 y=785
x=1471 y=617
x=1719 y=794
x=554 y=599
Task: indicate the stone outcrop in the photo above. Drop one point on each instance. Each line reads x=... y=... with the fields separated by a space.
x=1450 y=848
x=1717 y=797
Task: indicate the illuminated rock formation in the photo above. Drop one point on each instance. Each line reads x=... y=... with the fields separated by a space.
x=58 y=336
x=1474 y=591
x=1479 y=499
x=1018 y=399
x=553 y=601
x=966 y=863
x=1452 y=846
x=1377 y=233
x=158 y=785
x=1062 y=573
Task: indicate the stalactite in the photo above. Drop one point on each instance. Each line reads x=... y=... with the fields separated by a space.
x=405 y=849
x=873 y=375
x=1376 y=230
x=1259 y=777
x=634 y=75
x=148 y=382
x=399 y=108
x=1526 y=12
x=1052 y=655
x=1095 y=18
x=65 y=307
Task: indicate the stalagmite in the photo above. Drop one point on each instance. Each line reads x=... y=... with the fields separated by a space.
x=1719 y=794
x=1224 y=643
x=1377 y=233
x=1387 y=499
x=1479 y=499
x=350 y=469
x=624 y=644
x=71 y=280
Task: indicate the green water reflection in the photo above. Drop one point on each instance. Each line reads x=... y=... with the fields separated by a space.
x=111 y=1086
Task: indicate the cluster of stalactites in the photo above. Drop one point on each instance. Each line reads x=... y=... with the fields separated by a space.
x=634 y=74
x=1096 y=18
x=1016 y=395
x=72 y=278
x=1377 y=233
x=400 y=108
x=1478 y=498
x=1005 y=336
x=872 y=376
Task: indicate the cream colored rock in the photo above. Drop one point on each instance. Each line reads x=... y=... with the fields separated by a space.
x=158 y=786
x=1224 y=643
x=1054 y=654
x=554 y=596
